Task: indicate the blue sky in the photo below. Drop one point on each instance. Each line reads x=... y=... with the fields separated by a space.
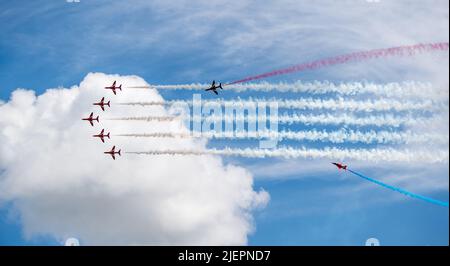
x=47 y=44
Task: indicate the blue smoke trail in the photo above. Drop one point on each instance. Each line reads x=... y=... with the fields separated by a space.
x=407 y=193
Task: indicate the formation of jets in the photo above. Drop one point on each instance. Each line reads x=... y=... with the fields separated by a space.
x=102 y=103
x=102 y=136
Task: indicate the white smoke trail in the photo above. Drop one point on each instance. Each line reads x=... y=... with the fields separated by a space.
x=311 y=103
x=146 y=118
x=371 y=120
x=322 y=119
x=373 y=155
x=394 y=89
x=158 y=135
x=339 y=136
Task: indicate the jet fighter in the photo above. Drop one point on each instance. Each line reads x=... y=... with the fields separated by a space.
x=340 y=166
x=113 y=153
x=113 y=87
x=102 y=103
x=102 y=136
x=91 y=119
x=214 y=88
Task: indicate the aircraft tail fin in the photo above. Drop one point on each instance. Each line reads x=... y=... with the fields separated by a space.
x=119 y=152
x=120 y=87
x=108 y=104
x=97 y=119
x=220 y=85
x=107 y=135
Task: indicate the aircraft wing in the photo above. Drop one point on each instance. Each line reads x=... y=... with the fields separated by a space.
x=215 y=92
x=92 y=123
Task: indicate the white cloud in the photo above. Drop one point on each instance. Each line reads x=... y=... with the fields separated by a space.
x=62 y=184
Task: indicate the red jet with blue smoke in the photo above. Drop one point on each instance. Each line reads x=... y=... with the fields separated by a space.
x=405 y=192
x=340 y=166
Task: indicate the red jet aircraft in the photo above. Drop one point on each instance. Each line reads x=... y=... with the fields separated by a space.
x=113 y=153
x=114 y=88
x=340 y=166
x=91 y=119
x=102 y=103
x=102 y=136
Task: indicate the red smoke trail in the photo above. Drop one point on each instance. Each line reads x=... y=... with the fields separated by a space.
x=357 y=56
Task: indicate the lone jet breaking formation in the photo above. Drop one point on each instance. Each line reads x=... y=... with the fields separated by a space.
x=102 y=103
x=113 y=153
x=340 y=166
x=214 y=88
x=91 y=119
x=397 y=189
x=113 y=87
x=102 y=136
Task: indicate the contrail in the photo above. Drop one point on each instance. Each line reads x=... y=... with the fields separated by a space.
x=408 y=50
x=373 y=155
x=339 y=136
x=394 y=89
x=321 y=119
x=310 y=103
x=407 y=193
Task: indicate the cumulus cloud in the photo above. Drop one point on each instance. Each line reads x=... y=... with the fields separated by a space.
x=60 y=182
